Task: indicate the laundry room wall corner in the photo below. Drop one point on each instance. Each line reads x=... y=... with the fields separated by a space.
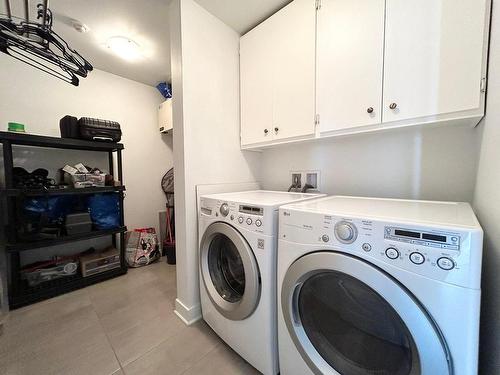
x=487 y=207
x=205 y=79
x=39 y=101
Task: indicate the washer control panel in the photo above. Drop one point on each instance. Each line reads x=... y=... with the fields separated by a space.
x=244 y=216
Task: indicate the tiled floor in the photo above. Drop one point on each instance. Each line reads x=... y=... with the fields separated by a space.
x=121 y=326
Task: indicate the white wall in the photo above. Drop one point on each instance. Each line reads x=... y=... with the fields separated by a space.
x=39 y=101
x=487 y=207
x=205 y=76
x=438 y=163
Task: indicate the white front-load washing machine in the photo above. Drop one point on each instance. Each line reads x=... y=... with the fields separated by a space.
x=238 y=244
x=378 y=286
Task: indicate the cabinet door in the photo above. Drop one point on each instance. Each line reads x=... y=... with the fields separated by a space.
x=433 y=57
x=256 y=92
x=293 y=37
x=350 y=63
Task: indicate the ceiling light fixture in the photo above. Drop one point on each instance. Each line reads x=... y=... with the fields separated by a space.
x=80 y=27
x=124 y=47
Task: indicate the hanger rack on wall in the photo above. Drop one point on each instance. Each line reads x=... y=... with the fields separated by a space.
x=36 y=44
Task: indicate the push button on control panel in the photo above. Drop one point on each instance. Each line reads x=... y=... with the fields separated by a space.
x=240 y=220
x=325 y=238
x=258 y=222
x=366 y=247
x=392 y=253
x=445 y=263
x=417 y=258
x=249 y=221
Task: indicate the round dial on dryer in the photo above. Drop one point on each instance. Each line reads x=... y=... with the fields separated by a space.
x=224 y=209
x=346 y=232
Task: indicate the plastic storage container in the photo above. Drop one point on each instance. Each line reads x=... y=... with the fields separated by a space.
x=78 y=223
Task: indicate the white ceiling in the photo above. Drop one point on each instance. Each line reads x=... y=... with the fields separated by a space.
x=242 y=15
x=145 y=22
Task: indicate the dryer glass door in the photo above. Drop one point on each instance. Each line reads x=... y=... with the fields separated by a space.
x=229 y=271
x=348 y=317
x=353 y=328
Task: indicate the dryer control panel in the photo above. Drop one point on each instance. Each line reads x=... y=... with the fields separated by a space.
x=442 y=240
x=449 y=254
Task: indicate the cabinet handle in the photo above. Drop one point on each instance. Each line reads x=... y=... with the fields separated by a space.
x=266 y=131
x=276 y=129
x=370 y=110
x=393 y=106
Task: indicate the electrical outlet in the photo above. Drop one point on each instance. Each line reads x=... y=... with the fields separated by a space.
x=296 y=179
x=300 y=178
x=312 y=178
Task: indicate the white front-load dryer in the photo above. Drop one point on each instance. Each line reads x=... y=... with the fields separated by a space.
x=238 y=244
x=378 y=286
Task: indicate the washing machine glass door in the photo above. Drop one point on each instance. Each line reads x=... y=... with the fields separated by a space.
x=347 y=316
x=229 y=271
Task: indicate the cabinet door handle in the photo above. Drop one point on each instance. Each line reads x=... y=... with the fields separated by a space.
x=393 y=106
x=370 y=110
x=276 y=129
x=266 y=131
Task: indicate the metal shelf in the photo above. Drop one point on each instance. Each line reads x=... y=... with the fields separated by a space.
x=20 y=294
x=42 y=192
x=27 y=295
x=56 y=142
x=22 y=246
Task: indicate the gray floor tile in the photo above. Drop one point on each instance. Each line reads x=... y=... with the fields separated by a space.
x=79 y=350
x=135 y=287
x=177 y=354
x=138 y=339
x=27 y=329
x=138 y=312
x=221 y=361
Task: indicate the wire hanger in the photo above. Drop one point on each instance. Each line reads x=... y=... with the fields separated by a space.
x=36 y=44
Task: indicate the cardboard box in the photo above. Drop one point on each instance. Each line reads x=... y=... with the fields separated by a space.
x=99 y=262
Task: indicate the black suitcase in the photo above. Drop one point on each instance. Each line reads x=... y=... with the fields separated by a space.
x=94 y=129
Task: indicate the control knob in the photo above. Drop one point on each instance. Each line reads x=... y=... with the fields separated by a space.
x=224 y=209
x=345 y=232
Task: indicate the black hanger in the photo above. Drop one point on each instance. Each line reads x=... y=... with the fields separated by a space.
x=37 y=45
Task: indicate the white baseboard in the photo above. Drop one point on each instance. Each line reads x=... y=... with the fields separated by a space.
x=189 y=315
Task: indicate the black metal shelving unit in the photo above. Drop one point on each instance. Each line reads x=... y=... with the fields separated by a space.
x=20 y=294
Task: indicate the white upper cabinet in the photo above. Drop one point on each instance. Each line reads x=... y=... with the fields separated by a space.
x=350 y=56
x=294 y=67
x=256 y=91
x=434 y=57
x=277 y=68
x=362 y=65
